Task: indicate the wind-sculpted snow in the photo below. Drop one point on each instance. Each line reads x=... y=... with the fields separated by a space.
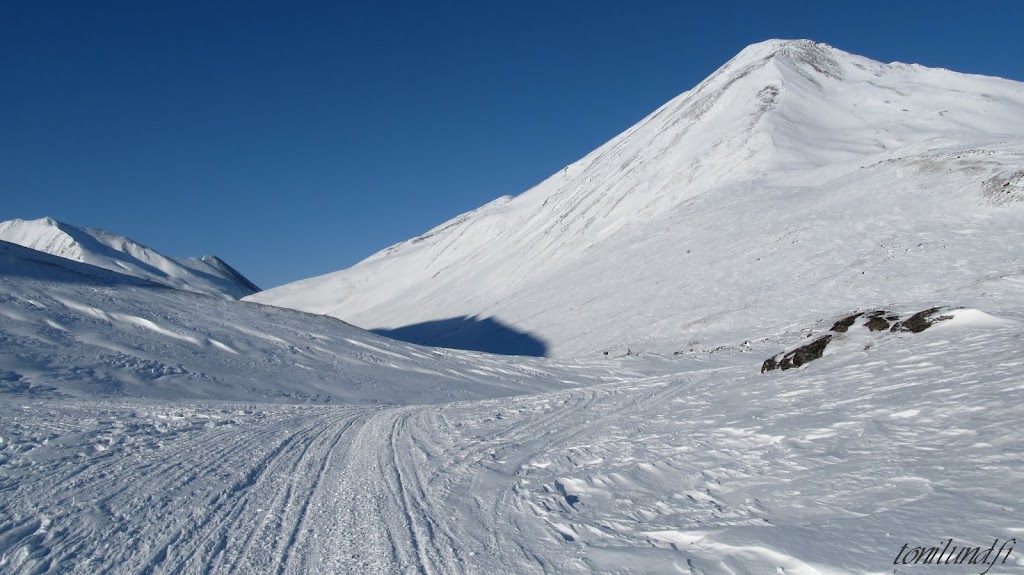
x=71 y=329
x=708 y=468
x=797 y=181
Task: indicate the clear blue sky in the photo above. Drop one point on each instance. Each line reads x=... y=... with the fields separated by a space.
x=296 y=138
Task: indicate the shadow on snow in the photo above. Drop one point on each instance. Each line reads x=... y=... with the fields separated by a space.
x=470 y=333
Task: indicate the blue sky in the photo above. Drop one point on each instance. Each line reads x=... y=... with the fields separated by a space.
x=294 y=139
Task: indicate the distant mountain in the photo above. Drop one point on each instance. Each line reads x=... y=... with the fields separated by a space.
x=796 y=182
x=208 y=275
x=26 y=263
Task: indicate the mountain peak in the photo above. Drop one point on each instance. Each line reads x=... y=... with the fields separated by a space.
x=788 y=49
x=775 y=46
x=807 y=57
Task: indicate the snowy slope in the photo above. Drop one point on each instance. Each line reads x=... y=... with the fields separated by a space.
x=796 y=182
x=209 y=275
x=69 y=329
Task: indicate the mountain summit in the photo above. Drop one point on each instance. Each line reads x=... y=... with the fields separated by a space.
x=208 y=275
x=798 y=181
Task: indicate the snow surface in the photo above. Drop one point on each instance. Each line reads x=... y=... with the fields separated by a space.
x=150 y=430
x=796 y=182
x=208 y=275
x=130 y=443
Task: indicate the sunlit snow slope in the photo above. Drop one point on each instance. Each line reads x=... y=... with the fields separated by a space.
x=209 y=274
x=796 y=182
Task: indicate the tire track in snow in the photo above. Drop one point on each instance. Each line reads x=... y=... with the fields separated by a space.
x=265 y=512
x=493 y=467
x=490 y=467
x=377 y=517
x=205 y=542
x=432 y=540
x=117 y=494
x=199 y=501
x=300 y=526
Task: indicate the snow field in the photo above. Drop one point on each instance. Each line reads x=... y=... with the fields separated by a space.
x=711 y=468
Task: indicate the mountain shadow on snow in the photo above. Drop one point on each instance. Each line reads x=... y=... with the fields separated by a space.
x=470 y=333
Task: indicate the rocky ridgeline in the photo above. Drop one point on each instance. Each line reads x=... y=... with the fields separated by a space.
x=873 y=321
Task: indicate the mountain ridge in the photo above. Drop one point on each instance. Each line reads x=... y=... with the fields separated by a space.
x=208 y=275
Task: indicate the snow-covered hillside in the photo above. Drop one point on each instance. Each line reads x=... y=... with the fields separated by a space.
x=209 y=274
x=796 y=182
x=69 y=329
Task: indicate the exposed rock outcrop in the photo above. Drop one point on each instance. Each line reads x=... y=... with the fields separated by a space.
x=920 y=321
x=880 y=321
x=798 y=356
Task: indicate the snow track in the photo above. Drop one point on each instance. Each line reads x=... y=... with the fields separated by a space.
x=234 y=497
x=376 y=516
x=270 y=489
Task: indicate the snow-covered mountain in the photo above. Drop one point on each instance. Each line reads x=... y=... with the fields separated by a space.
x=796 y=182
x=208 y=275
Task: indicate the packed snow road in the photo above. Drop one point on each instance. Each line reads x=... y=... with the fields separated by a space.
x=829 y=469
x=95 y=488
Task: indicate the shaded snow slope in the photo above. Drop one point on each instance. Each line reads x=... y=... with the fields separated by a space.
x=69 y=329
x=209 y=275
x=797 y=181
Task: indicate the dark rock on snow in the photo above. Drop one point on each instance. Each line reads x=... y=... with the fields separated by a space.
x=844 y=324
x=876 y=321
x=920 y=321
x=798 y=356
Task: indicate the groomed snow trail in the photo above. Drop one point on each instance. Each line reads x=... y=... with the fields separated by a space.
x=94 y=487
x=162 y=489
